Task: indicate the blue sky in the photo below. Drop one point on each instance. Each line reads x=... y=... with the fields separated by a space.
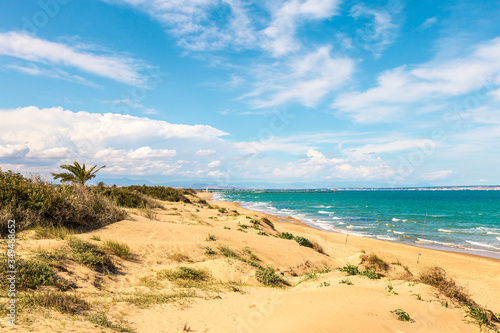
x=389 y=92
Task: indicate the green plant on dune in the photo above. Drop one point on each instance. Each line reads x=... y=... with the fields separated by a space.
x=350 y=269
x=268 y=277
x=78 y=174
x=402 y=315
x=286 y=235
x=303 y=241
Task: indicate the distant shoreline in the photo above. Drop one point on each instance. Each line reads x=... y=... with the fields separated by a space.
x=440 y=188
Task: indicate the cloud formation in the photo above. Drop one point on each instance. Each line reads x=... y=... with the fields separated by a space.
x=26 y=47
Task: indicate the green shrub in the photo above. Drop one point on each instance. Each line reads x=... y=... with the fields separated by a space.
x=184 y=273
x=346 y=281
x=268 y=277
x=101 y=319
x=119 y=249
x=350 y=269
x=227 y=252
x=90 y=255
x=286 y=235
x=209 y=251
x=211 y=238
x=33 y=202
x=31 y=273
x=402 y=315
x=369 y=273
x=303 y=241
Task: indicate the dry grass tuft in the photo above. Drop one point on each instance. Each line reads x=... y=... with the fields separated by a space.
x=372 y=261
x=62 y=302
x=436 y=277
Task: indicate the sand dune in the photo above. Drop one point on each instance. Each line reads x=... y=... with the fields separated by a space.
x=313 y=303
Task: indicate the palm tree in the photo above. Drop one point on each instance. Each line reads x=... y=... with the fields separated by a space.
x=77 y=173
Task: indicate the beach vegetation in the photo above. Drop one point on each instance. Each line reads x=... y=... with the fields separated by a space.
x=144 y=300
x=102 y=320
x=318 y=248
x=211 y=238
x=267 y=276
x=31 y=273
x=369 y=273
x=77 y=174
x=324 y=284
x=96 y=238
x=149 y=213
x=243 y=226
x=186 y=328
x=60 y=301
x=222 y=210
x=286 y=235
x=119 y=249
x=372 y=261
x=346 y=281
x=256 y=227
x=184 y=273
x=227 y=252
x=254 y=221
x=58 y=232
x=480 y=316
x=227 y=228
x=436 y=277
x=350 y=269
x=178 y=257
x=262 y=233
x=418 y=296
x=303 y=241
x=268 y=222
x=90 y=255
x=33 y=203
x=402 y=315
x=209 y=251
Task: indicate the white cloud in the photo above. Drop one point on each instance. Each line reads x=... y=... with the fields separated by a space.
x=306 y=79
x=372 y=150
x=55 y=135
x=141 y=153
x=214 y=164
x=22 y=46
x=426 y=83
x=438 y=175
x=482 y=180
x=428 y=23
x=56 y=73
x=378 y=35
x=13 y=151
x=205 y=152
x=280 y=34
x=317 y=165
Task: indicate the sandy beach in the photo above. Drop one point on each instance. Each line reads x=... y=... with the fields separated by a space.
x=233 y=300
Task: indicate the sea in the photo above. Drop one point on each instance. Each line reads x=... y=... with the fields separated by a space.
x=463 y=221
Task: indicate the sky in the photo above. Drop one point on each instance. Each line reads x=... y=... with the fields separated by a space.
x=394 y=93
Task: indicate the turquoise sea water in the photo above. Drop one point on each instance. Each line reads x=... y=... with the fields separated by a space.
x=459 y=220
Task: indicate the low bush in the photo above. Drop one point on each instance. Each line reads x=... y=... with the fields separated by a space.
x=286 y=235
x=90 y=255
x=31 y=273
x=436 y=277
x=303 y=241
x=268 y=277
x=33 y=202
x=62 y=302
x=350 y=269
x=119 y=249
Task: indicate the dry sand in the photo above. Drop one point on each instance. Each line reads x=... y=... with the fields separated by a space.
x=318 y=304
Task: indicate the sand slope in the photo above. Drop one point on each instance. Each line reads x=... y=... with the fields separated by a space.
x=315 y=303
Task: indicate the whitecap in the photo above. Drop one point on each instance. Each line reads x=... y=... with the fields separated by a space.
x=483 y=245
x=395 y=219
x=444 y=230
x=398 y=232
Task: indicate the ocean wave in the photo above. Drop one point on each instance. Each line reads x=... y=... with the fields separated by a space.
x=449 y=231
x=483 y=245
x=498 y=239
x=388 y=238
x=428 y=241
x=336 y=218
x=324 y=212
x=397 y=220
x=398 y=232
